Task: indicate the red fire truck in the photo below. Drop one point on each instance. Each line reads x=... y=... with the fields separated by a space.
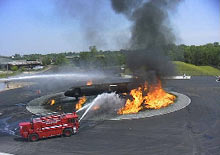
x=48 y=126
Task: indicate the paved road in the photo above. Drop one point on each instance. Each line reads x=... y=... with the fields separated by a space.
x=194 y=130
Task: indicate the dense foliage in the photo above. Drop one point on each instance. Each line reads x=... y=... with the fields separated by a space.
x=208 y=54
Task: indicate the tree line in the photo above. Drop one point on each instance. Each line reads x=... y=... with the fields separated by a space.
x=208 y=54
x=93 y=58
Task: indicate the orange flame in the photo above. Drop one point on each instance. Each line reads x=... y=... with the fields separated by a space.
x=80 y=103
x=89 y=83
x=158 y=98
x=155 y=98
x=52 y=102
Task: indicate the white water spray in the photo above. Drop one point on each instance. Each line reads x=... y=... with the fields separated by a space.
x=87 y=110
x=84 y=107
x=73 y=75
x=106 y=101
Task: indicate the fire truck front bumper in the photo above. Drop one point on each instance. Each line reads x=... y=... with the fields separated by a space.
x=24 y=134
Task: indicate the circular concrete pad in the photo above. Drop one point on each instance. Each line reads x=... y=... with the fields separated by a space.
x=182 y=102
x=36 y=107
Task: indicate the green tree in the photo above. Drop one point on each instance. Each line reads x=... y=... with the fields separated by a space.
x=46 y=61
x=17 y=56
x=60 y=59
x=93 y=49
x=216 y=43
x=14 y=68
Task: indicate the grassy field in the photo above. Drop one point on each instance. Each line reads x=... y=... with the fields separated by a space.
x=4 y=75
x=181 y=67
x=190 y=69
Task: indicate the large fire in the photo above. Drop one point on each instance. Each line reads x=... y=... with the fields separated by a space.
x=80 y=103
x=89 y=83
x=147 y=97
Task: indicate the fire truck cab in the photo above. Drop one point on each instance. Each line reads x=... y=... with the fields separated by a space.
x=48 y=126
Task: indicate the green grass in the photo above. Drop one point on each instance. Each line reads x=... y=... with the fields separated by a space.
x=190 y=69
x=4 y=75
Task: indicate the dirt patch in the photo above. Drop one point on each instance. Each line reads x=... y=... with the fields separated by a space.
x=15 y=85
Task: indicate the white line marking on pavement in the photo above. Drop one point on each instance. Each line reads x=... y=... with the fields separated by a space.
x=2 y=153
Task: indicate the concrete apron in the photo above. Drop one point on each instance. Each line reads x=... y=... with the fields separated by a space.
x=36 y=107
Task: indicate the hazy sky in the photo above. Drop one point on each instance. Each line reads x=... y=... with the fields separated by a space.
x=45 y=26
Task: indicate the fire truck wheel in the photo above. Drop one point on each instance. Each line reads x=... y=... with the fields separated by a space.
x=67 y=132
x=33 y=137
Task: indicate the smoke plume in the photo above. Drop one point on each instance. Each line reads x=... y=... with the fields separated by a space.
x=94 y=22
x=151 y=36
x=88 y=15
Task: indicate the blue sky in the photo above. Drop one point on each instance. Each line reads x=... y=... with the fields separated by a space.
x=36 y=26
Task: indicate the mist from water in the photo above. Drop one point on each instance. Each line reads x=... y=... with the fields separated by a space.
x=103 y=106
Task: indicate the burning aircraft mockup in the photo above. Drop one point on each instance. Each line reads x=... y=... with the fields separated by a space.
x=144 y=96
x=95 y=89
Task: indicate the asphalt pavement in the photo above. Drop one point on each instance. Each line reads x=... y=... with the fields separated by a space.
x=193 y=130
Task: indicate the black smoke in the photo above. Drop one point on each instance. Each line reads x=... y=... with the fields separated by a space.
x=151 y=35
